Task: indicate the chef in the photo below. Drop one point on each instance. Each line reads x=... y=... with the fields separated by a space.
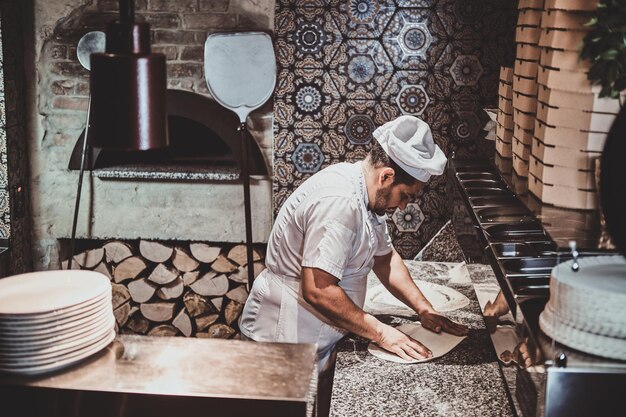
x=329 y=234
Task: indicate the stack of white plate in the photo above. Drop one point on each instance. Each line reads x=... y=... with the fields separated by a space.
x=52 y=319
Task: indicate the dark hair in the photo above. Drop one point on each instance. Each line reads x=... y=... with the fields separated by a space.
x=379 y=158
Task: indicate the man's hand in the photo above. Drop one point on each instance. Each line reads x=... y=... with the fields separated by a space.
x=406 y=347
x=494 y=310
x=437 y=323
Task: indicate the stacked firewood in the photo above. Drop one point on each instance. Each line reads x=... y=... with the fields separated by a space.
x=161 y=289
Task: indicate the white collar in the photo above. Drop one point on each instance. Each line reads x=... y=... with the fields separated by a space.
x=364 y=197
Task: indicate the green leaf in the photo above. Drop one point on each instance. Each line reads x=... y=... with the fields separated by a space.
x=610 y=54
x=605 y=47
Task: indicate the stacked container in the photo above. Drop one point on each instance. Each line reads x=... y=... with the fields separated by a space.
x=504 y=119
x=504 y=128
x=527 y=57
x=572 y=121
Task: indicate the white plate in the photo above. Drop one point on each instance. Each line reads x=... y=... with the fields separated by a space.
x=46 y=291
x=30 y=342
x=50 y=353
x=18 y=322
x=65 y=362
x=52 y=357
x=441 y=297
x=27 y=328
x=438 y=343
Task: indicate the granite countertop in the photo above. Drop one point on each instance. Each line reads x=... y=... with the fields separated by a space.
x=465 y=382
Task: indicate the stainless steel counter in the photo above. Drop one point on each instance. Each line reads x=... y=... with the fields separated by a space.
x=159 y=376
x=523 y=242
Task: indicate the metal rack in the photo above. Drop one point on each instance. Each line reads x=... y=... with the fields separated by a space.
x=513 y=239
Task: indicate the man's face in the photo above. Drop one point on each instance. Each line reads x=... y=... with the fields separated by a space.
x=395 y=196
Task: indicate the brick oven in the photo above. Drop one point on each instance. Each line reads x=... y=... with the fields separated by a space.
x=191 y=192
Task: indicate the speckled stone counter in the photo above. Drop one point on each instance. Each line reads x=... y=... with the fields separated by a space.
x=465 y=382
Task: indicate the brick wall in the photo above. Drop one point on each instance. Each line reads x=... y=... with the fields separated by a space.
x=178 y=30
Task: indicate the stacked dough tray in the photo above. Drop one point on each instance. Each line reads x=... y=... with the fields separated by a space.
x=572 y=121
x=524 y=100
x=504 y=128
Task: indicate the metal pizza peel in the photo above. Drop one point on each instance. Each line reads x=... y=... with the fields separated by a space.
x=240 y=71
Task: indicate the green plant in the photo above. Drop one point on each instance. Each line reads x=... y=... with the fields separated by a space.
x=605 y=47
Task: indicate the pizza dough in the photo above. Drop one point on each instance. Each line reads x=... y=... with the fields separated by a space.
x=441 y=297
x=438 y=343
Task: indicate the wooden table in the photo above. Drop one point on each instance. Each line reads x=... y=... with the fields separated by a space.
x=172 y=376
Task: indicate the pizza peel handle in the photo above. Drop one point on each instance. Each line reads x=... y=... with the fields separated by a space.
x=240 y=71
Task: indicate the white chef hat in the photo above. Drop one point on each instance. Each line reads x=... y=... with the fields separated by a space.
x=409 y=142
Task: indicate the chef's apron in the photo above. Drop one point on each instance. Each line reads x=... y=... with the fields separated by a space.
x=276 y=310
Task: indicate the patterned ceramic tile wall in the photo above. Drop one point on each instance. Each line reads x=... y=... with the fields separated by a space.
x=348 y=66
x=14 y=195
x=5 y=212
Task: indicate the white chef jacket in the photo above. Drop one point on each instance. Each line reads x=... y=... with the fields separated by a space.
x=324 y=224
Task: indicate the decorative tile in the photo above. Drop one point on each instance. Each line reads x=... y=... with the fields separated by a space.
x=307 y=130
x=416 y=93
x=453 y=63
x=415 y=3
x=434 y=206
x=281 y=194
x=355 y=121
x=283 y=172
x=5 y=212
x=334 y=146
x=285 y=53
x=491 y=55
x=13 y=159
x=358 y=154
x=363 y=18
x=476 y=19
x=307 y=158
x=284 y=142
x=412 y=99
x=414 y=39
x=378 y=110
x=466 y=70
x=306 y=37
x=305 y=98
x=363 y=72
x=305 y=4
x=406 y=244
x=427 y=231
x=442 y=140
x=348 y=66
x=465 y=127
x=409 y=219
x=309 y=99
x=359 y=128
x=467 y=150
x=466 y=101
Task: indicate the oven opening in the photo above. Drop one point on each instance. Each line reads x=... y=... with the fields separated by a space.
x=204 y=141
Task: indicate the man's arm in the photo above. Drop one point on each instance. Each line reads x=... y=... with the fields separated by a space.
x=320 y=289
x=394 y=275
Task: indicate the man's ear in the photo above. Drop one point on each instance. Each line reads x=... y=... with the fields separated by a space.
x=386 y=176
